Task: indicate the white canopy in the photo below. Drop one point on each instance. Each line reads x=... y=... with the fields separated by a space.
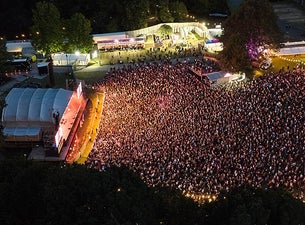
x=62 y=59
x=292 y=50
x=19 y=46
x=22 y=133
x=34 y=106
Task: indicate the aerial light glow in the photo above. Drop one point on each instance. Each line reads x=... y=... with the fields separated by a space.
x=79 y=90
x=228 y=75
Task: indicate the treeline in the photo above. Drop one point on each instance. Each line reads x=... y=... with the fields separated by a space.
x=107 y=15
x=42 y=193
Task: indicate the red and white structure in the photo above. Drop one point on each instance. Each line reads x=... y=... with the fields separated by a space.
x=48 y=118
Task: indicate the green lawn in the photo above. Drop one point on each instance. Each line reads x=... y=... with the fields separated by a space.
x=282 y=63
x=90 y=77
x=287 y=61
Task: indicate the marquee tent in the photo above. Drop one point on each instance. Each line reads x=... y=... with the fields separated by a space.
x=62 y=59
x=30 y=109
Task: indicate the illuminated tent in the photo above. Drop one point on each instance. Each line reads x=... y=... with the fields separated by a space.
x=62 y=59
x=24 y=47
x=213 y=77
x=292 y=51
x=31 y=110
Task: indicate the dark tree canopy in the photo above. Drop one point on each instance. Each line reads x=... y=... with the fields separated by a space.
x=47 y=33
x=246 y=205
x=43 y=193
x=252 y=26
x=78 y=31
x=165 y=30
x=106 y=15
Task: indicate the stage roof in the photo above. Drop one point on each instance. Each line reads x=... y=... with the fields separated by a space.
x=26 y=106
x=216 y=75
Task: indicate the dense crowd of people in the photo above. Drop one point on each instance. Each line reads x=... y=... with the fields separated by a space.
x=174 y=130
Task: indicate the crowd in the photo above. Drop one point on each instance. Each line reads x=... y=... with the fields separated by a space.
x=174 y=130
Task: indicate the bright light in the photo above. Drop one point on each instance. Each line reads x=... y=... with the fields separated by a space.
x=116 y=41
x=228 y=75
x=58 y=136
x=94 y=54
x=175 y=37
x=77 y=53
x=79 y=90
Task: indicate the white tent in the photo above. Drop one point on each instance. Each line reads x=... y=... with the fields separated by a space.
x=34 y=106
x=22 y=133
x=24 y=47
x=292 y=51
x=62 y=59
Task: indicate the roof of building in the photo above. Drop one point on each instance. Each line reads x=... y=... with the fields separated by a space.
x=26 y=106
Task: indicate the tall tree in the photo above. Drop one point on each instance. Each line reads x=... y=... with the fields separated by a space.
x=47 y=33
x=139 y=8
x=255 y=26
x=165 y=30
x=4 y=57
x=78 y=30
x=164 y=14
x=178 y=11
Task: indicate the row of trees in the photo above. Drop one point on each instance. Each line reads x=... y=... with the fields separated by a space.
x=248 y=30
x=51 y=33
x=41 y=193
x=107 y=15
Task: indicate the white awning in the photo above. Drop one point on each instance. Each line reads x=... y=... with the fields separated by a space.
x=36 y=105
x=22 y=133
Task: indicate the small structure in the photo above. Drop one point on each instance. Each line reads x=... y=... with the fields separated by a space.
x=20 y=47
x=213 y=45
x=42 y=117
x=217 y=31
x=138 y=42
x=109 y=36
x=63 y=59
x=291 y=48
x=43 y=68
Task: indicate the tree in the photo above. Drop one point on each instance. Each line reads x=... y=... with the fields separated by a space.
x=178 y=11
x=78 y=30
x=4 y=57
x=56 y=193
x=204 y=7
x=234 y=57
x=248 y=205
x=165 y=30
x=47 y=33
x=135 y=14
x=165 y=15
x=251 y=28
x=4 y=67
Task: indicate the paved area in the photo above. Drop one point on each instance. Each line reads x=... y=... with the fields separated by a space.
x=291 y=20
x=20 y=77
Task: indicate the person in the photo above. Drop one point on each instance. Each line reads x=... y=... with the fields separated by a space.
x=172 y=129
